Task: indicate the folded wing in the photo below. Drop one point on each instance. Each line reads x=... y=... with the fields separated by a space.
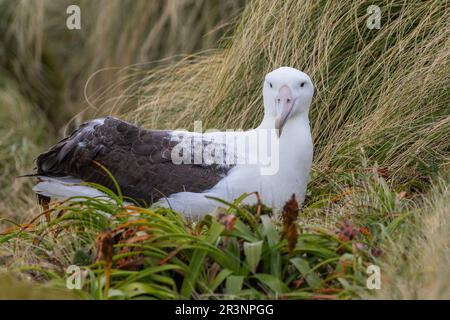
x=140 y=160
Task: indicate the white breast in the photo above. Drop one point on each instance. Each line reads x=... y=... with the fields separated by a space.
x=295 y=158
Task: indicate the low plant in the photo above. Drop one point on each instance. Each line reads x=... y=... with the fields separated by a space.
x=239 y=251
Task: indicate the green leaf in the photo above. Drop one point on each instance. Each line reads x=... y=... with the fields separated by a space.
x=223 y=274
x=270 y=231
x=116 y=184
x=272 y=282
x=303 y=267
x=273 y=239
x=137 y=288
x=252 y=252
x=234 y=284
x=241 y=230
x=94 y=285
x=299 y=295
x=148 y=272
x=114 y=294
x=233 y=260
x=9 y=236
x=197 y=261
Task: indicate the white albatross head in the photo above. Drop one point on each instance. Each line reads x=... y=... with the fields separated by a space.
x=287 y=94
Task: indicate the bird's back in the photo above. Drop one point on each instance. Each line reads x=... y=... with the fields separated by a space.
x=140 y=161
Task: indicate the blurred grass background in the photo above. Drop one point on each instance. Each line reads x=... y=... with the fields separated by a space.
x=381 y=106
x=44 y=67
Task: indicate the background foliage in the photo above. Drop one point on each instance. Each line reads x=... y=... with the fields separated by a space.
x=380 y=116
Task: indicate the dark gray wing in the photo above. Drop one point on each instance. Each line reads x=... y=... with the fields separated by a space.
x=139 y=159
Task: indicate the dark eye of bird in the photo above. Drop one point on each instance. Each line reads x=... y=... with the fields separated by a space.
x=270 y=84
x=302 y=84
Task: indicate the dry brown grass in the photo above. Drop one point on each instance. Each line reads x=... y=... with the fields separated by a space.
x=420 y=270
x=385 y=90
x=22 y=134
x=44 y=67
x=114 y=34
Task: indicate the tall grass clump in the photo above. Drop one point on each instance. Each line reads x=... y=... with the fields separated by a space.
x=420 y=269
x=23 y=130
x=55 y=63
x=385 y=90
x=44 y=67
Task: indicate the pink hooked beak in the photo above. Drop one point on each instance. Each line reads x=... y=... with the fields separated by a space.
x=284 y=103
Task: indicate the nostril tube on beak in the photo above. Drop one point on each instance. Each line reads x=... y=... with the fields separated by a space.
x=284 y=107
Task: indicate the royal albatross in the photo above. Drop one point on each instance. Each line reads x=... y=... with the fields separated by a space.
x=185 y=170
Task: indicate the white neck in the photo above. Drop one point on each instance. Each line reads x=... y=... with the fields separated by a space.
x=295 y=131
x=295 y=144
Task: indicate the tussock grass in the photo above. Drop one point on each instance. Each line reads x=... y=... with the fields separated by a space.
x=114 y=34
x=420 y=270
x=44 y=67
x=382 y=90
x=23 y=130
x=380 y=122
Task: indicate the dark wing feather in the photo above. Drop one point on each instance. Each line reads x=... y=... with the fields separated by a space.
x=139 y=159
